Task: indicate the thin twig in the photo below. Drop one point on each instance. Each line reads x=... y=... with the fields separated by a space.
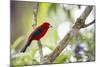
x=35 y=12
x=39 y=42
x=86 y=25
x=64 y=42
x=40 y=51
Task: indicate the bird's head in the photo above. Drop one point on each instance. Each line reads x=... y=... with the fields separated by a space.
x=46 y=25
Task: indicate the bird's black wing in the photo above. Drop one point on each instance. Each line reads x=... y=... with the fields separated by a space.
x=37 y=31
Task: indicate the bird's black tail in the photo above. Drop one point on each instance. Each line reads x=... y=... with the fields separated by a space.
x=25 y=47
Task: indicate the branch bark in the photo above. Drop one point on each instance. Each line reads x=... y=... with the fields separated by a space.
x=40 y=51
x=35 y=12
x=80 y=22
x=87 y=11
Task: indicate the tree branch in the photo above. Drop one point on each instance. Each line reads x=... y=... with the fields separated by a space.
x=40 y=51
x=35 y=12
x=35 y=8
x=80 y=22
x=86 y=25
x=87 y=11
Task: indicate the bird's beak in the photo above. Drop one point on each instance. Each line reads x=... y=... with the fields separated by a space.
x=50 y=26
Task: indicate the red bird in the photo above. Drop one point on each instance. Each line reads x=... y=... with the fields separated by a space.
x=37 y=34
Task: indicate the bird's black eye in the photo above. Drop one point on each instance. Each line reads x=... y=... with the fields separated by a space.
x=50 y=26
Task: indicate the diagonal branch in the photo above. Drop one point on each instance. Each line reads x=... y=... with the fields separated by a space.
x=87 y=11
x=80 y=22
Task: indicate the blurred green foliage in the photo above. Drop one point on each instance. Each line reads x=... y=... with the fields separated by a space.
x=56 y=14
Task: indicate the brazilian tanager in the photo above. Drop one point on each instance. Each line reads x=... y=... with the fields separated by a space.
x=37 y=34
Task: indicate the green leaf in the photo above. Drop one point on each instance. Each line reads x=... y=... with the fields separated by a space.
x=60 y=59
x=63 y=57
